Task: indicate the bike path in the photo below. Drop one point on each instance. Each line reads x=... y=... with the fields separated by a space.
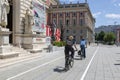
x=52 y=68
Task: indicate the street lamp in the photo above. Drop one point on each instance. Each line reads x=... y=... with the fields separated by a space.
x=52 y=35
x=62 y=32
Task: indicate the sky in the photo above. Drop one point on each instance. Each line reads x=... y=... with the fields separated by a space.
x=106 y=12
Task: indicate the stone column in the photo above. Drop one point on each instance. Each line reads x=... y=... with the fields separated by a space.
x=78 y=17
x=64 y=19
x=57 y=19
x=16 y=21
x=71 y=18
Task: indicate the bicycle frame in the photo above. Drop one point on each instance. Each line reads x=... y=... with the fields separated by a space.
x=70 y=62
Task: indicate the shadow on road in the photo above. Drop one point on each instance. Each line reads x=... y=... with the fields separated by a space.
x=59 y=69
x=117 y=53
x=117 y=64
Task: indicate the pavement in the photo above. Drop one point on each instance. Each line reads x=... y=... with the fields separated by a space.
x=24 y=56
x=102 y=63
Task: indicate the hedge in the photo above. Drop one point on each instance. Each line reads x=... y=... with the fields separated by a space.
x=59 y=43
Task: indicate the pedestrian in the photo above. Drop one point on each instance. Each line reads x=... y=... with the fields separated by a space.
x=83 y=45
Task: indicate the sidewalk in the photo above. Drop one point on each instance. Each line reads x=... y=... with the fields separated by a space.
x=24 y=57
x=102 y=63
x=20 y=58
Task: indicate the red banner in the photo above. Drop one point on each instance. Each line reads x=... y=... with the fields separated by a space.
x=48 y=31
x=57 y=34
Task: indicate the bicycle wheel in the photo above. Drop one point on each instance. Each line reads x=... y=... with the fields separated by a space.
x=81 y=56
x=71 y=63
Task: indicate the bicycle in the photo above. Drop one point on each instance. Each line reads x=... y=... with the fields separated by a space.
x=70 y=62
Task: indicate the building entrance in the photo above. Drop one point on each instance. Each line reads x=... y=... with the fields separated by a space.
x=10 y=21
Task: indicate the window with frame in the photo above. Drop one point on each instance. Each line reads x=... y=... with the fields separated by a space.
x=67 y=22
x=81 y=22
x=74 y=21
x=81 y=13
x=60 y=22
x=60 y=14
x=67 y=14
x=67 y=31
x=74 y=13
x=54 y=14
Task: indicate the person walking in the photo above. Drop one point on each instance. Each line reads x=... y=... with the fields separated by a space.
x=83 y=45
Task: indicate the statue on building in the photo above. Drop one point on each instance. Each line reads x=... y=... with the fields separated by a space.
x=29 y=19
x=4 y=10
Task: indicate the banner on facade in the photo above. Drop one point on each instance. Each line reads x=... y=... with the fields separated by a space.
x=57 y=34
x=39 y=17
x=48 y=31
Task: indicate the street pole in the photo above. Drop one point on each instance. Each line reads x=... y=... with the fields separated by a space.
x=62 y=32
x=52 y=36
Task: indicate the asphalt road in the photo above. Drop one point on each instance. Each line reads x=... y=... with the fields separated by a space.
x=102 y=63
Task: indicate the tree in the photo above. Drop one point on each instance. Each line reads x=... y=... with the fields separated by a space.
x=101 y=35
x=109 y=37
x=96 y=36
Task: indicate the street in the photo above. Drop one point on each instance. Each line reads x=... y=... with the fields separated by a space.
x=102 y=63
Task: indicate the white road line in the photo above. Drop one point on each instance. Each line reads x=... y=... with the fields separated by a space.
x=33 y=69
x=88 y=66
x=8 y=64
x=19 y=61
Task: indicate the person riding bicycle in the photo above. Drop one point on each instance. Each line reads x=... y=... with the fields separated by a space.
x=69 y=48
x=83 y=45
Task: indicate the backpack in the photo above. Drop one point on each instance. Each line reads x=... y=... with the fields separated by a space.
x=82 y=42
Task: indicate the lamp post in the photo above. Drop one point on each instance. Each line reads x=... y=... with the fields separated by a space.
x=62 y=32
x=52 y=36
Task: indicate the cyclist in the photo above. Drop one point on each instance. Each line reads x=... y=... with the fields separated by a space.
x=69 y=48
x=83 y=44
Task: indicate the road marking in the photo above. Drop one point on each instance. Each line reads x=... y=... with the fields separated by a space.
x=19 y=61
x=8 y=64
x=88 y=66
x=33 y=69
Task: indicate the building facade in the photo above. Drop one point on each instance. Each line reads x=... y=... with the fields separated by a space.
x=16 y=22
x=74 y=19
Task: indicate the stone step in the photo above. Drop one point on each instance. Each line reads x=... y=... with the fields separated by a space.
x=21 y=50
x=9 y=55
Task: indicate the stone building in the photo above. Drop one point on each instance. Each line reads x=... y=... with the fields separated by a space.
x=17 y=26
x=75 y=19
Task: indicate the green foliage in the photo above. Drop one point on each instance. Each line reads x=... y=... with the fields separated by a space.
x=109 y=38
x=59 y=43
x=101 y=36
x=96 y=36
x=105 y=38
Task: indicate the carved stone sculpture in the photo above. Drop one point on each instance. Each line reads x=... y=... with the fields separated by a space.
x=4 y=10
